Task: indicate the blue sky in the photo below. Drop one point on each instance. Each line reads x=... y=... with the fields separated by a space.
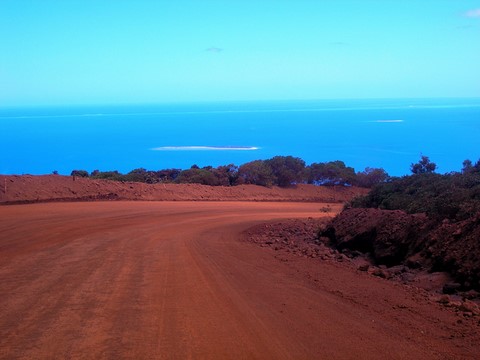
x=88 y=52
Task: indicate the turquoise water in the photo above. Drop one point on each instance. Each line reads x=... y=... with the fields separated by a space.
x=375 y=133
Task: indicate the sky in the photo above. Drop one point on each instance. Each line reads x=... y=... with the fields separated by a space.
x=93 y=52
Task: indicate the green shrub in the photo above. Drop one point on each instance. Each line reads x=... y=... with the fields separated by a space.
x=453 y=196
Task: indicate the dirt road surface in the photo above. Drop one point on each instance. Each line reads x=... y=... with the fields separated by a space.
x=175 y=280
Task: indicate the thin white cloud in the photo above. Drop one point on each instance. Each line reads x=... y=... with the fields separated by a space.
x=474 y=13
x=214 y=49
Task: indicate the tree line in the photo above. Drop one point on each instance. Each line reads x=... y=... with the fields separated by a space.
x=280 y=171
x=283 y=171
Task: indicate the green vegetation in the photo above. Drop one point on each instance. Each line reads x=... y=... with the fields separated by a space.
x=453 y=196
x=286 y=170
x=281 y=171
x=424 y=166
x=79 y=173
x=331 y=173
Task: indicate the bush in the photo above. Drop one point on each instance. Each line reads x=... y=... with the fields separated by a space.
x=79 y=173
x=197 y=176
x=168 y=175
x=453 y=196
x=370 y=177
x=108 y=175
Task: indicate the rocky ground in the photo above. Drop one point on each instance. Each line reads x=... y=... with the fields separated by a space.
x=342 y=240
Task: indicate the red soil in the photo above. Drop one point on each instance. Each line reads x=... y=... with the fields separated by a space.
x=174 y=280
x=27 y=188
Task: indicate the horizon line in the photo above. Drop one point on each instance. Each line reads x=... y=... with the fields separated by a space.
x=179 y=102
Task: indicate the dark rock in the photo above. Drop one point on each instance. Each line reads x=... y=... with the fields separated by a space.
x=398 y=269
x=414 y=261
x=380 y=273
x=445 y=299
x=356 y=253
x=363 y=267
x=469 y=307
x=471 y=295
x=347 y=253
x=407 y=277
x=451 y=288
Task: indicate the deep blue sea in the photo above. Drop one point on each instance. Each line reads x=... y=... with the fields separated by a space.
x=363 y=133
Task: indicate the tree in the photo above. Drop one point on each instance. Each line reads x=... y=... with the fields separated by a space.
x=470 y=168
x=197 y=176
x=108 y=175
x=287 y=170
x=137 y=175
x=424 y=166
x=227 y=175
x=79 y=173
x=467 y=166
x=168 y=175
x=370 y=177
x=256 y=172
x=331 y=173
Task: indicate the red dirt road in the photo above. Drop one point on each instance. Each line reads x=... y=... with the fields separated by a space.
x=174 y=280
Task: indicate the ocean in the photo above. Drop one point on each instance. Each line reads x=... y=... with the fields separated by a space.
x=386 y=133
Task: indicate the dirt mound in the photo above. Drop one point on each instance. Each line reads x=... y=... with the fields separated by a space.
x=455 y=247
x=385 y=233
x=27 y=189
x=389 y=236
x=396 y=238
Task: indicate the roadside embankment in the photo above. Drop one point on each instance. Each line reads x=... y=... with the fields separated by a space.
x=46 y=188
